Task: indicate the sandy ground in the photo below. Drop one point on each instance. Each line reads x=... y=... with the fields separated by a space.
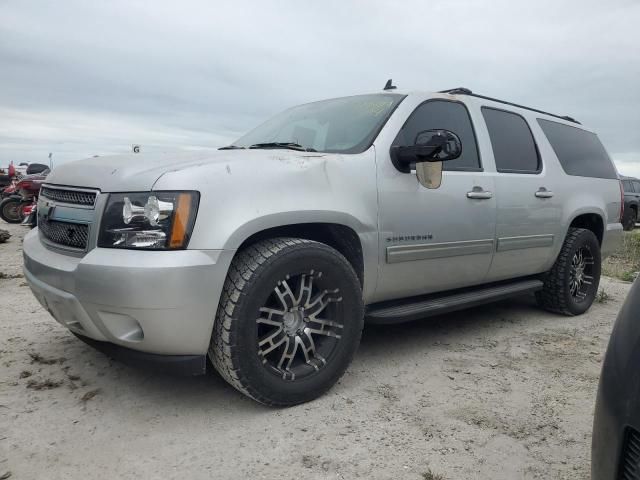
x=500 y=392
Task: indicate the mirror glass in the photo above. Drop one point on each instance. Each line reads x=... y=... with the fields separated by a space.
x=429 y=174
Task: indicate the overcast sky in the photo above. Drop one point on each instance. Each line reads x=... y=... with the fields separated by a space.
x=80 y=78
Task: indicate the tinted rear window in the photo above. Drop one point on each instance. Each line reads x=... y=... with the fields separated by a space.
x=514 y=149
x=580 y=152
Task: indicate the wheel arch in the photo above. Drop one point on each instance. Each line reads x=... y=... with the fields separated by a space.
x=591 y=221
x=348 y=239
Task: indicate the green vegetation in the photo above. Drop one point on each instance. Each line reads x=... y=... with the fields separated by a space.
x=625 y=263
x=429 y=475
x=602 y=296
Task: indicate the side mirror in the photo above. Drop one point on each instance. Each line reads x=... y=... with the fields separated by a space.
x=429 y=146
x=430 y=149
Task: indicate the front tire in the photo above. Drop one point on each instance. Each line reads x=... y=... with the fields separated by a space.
x=289 y=321
x=11 y=210
x=571 y=285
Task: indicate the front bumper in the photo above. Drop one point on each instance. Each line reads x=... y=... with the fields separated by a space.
x=160 y=302
x=182 y=365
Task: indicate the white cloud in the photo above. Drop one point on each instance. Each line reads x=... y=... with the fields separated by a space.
x=628 y=163
x=92 y=77
x=30 y=136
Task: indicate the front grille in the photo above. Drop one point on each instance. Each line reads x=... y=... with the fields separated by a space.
x=74 y=197
x=73 y=235
x=630 y=461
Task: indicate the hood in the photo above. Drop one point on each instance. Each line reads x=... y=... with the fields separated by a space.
x=133 y=172
x=139 y=172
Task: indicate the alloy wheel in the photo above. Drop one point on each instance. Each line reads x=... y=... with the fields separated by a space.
x=300 y=326
x=581 y=273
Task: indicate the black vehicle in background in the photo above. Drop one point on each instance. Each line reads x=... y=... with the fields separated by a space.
x=34 y=168
x=631 y=188
x=616 y=428
x=5 y=179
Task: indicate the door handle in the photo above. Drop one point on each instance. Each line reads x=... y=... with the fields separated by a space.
x=479 y=194
x=543 y=193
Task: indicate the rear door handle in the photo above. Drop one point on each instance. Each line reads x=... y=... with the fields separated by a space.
x=543 y=193
x=479 y=194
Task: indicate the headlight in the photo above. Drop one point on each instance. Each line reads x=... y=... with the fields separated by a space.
x=153 y=220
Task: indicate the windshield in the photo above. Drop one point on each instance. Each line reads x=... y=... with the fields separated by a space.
x=340 y=125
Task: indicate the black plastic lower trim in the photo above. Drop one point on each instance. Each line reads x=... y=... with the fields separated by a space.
x=183 y=365
x=414 y=308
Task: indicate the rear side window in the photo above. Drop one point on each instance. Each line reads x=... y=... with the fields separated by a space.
x=580 y=152
x=636 y=186
x=453 y=116
x=626 y=185
x=514 y=148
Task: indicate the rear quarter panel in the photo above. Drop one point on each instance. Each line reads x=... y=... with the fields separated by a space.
x=578 y=195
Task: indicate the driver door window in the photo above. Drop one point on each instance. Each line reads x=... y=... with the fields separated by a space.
x=443 y=114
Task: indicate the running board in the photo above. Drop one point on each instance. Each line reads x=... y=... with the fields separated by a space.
x=398 y=311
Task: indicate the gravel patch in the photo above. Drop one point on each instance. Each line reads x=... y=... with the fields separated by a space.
x=504 y=391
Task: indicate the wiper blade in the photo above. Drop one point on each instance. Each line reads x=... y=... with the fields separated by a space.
x=231 y=147
x=288 y=145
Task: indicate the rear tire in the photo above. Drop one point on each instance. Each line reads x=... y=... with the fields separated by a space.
x=289 y=321
x=11 y=210
x=571 y=285
x=629 y=219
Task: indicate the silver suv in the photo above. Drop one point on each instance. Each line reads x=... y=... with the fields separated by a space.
x=269 y=255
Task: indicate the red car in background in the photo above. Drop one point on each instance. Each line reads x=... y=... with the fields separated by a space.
x=20 y=197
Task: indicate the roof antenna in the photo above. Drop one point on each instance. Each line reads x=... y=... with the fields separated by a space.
x=389 y=86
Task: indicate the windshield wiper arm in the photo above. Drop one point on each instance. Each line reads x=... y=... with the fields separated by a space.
x=231 y=147
x=288 y=145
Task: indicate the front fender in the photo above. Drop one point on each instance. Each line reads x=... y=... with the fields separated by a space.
x=259 y=190
x=297 y=217
x=265 y=189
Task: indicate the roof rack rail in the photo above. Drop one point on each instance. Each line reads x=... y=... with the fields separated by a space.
x=466 y=91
